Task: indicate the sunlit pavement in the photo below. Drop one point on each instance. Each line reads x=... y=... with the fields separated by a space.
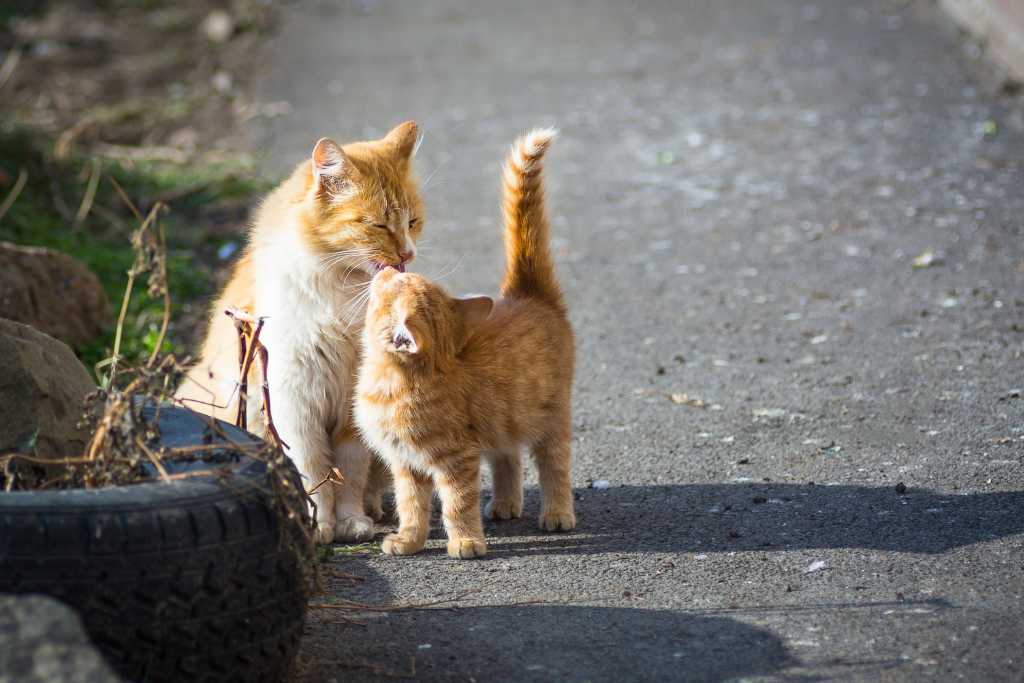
x=791 y=238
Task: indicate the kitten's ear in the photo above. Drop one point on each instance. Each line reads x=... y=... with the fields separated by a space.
x=404 y=340
x=332 y=171
x=403 y=138
x=474 y=310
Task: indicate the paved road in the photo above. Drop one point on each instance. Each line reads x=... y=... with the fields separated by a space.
x=738 y=196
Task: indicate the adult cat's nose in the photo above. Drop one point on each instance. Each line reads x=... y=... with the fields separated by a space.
x=407 y=256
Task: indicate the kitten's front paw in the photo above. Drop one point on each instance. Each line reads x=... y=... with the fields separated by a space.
x=353 y=529
x=396 y=544
x=504 y=509
x=324 y=534
x=466 y=548
x=557 y=521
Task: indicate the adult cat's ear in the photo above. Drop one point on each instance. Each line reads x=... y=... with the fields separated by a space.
x=332 y=171
x=403 y=138
x=474 y=310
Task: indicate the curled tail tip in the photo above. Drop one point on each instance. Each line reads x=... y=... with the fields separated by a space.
x=528 y=150
x=537 y=141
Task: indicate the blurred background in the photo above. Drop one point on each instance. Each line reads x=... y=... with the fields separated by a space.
x=149 y=97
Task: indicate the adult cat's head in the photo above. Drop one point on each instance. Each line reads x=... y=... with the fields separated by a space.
x=363 y=208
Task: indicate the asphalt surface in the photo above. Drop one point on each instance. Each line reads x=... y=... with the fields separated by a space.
x=739 y=193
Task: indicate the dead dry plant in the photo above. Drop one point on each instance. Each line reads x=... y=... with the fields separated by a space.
x=123 y=415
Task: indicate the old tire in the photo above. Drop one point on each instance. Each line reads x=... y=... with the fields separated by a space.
x=181 y=581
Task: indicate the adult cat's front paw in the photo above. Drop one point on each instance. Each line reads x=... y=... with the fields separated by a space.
x=466 y=548
x=397 y=544
x=557 y=521
x=324 y=534
x=353 y=529
x=504 y=509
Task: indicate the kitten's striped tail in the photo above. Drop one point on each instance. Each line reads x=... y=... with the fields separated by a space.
x=529 y=271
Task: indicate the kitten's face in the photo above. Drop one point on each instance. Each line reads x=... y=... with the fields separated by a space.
x=366 y=211
x=410 y=317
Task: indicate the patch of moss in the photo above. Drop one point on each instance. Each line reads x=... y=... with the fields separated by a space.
x=44 y=215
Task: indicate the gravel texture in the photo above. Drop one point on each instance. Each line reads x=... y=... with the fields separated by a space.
x=791 y=238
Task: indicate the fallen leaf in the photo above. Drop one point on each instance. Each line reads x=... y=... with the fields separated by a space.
x=687 y=400
x=926 y=259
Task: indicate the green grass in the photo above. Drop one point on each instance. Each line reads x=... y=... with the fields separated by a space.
x=101 y=241
x=358 y=549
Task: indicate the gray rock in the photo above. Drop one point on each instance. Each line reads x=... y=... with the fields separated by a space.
x=42 y=385
x=42 y=641
x=52 y=292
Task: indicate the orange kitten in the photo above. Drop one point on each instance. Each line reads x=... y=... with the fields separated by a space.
x=314 y=245
x=448 y=382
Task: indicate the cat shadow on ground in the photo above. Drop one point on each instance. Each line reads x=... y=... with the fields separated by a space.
x=766 y=517
x=541 y=643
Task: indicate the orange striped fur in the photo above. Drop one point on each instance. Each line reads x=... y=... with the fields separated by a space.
x=448 y=383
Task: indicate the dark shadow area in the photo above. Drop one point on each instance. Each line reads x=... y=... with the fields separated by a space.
x=541 y=643
x=726 y=517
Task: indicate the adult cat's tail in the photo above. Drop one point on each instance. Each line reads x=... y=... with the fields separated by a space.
x=529 y=271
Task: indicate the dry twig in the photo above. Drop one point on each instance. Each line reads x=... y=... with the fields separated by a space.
x=19 y=185
x=377 y=669
x=9 y=65
x=352 y=606
x=249 y=346
x=89 y=196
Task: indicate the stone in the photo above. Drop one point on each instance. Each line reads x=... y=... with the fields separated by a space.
x=52 y=292
x=42 y=641
x=218 y=26
x=998 y=23
x=42 y=385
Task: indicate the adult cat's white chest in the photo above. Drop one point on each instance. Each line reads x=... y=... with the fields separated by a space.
x=311 y=333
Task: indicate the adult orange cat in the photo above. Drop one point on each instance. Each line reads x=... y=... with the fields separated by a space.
x=314 y=245
x=446 y=383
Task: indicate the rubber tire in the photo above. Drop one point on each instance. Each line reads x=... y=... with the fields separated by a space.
x=179 y=581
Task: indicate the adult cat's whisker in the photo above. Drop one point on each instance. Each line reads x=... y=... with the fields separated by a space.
x=328 y=262
x=450 y=270
x=426 y=183
x=358 y=268
x=336 y=257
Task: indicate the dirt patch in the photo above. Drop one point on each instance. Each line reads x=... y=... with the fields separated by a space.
x=136 y=81
x=109 y=104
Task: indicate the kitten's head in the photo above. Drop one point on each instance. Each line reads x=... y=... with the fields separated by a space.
x=409 y=317
x=364 y=205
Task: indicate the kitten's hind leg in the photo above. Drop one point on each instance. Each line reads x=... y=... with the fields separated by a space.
x=553 y=456
x=458 y=486
x=412 y=499
x=351 y=522
x=507 y=475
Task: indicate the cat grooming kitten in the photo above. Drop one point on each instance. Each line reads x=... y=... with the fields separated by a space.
x=446 y=383
x=314 y=245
